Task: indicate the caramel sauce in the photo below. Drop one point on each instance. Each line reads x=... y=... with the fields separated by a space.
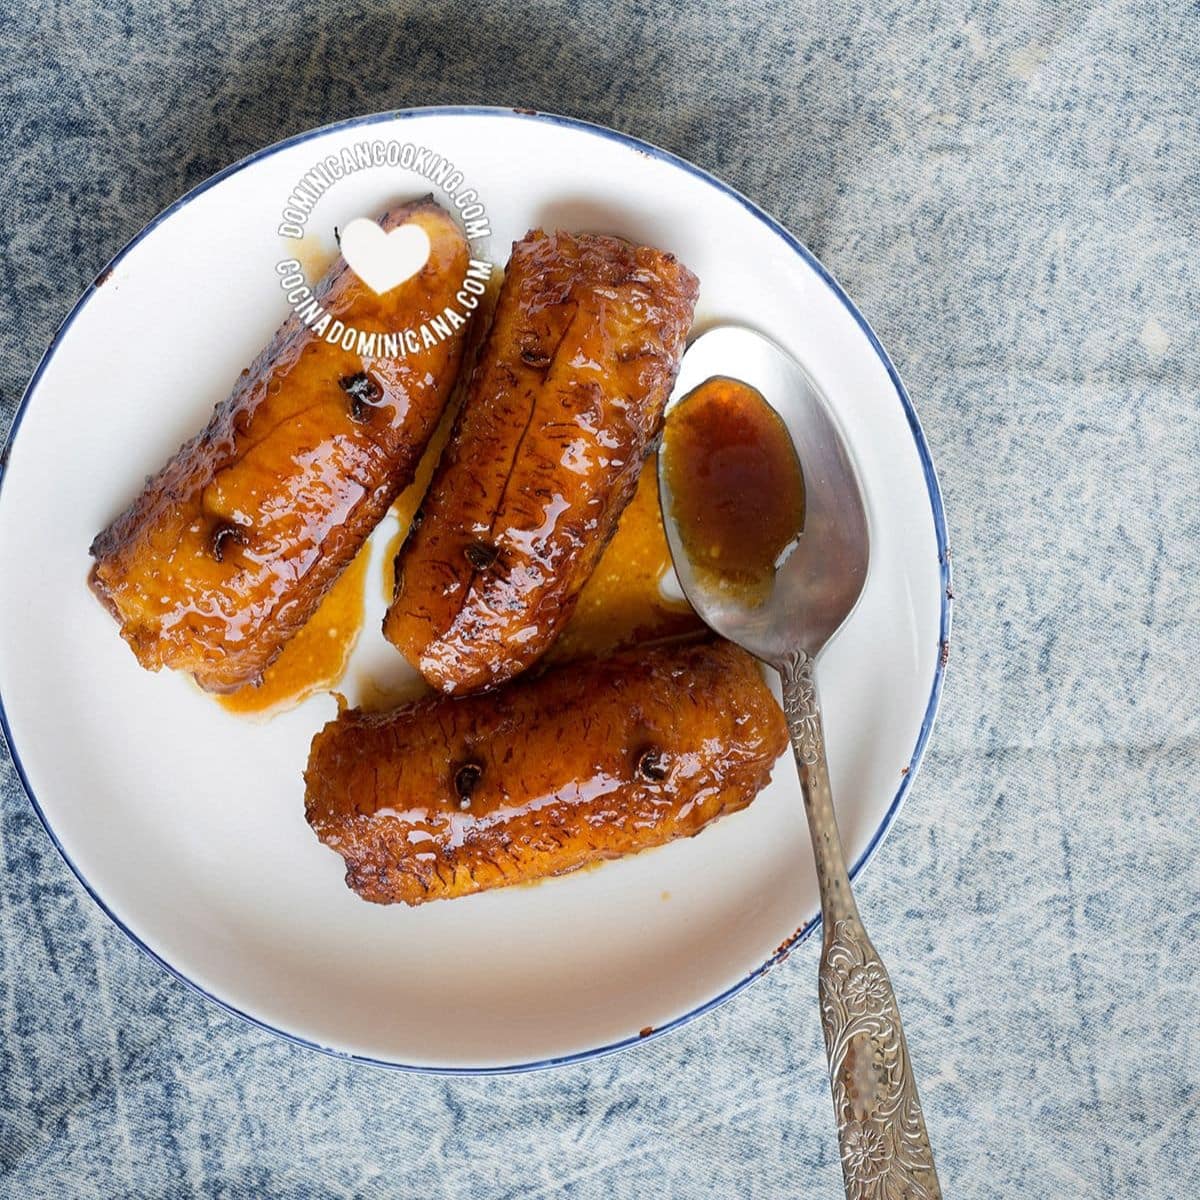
x=737 y=490
x=314 y=659
x=623 y=601
x=405 y=507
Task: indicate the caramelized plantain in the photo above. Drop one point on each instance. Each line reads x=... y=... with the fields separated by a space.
x=232 y=545
x=562 y=409
x=449 y=796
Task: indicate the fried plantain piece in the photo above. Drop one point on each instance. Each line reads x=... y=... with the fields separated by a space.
x=447 y=796
x=562 y=409
x=232 y=545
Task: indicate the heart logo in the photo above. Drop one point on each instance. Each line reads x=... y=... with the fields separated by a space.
x=384 y=260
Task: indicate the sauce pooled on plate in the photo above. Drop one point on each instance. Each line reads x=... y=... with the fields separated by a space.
x=623 y=602
x=314 y=660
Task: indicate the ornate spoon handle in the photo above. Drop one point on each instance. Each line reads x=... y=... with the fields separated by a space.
x=885 y=1148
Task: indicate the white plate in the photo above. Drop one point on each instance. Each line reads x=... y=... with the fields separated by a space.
x=187 y=824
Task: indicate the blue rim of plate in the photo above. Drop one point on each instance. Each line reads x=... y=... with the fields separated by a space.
x=931 y=483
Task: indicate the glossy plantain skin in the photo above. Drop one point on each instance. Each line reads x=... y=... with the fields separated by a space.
x=563 y=407
x=232 y=545
x=449 y=796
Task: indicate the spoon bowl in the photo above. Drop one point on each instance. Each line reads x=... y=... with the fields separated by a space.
x=823 y=574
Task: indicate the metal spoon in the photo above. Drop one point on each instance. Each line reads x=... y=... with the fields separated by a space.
x=885 y=1149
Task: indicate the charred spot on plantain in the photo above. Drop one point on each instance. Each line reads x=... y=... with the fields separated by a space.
x=364 y=393
x=466 y=780
x=223 y=533
x=651 y=764
x=481 y=555
x=534 y=356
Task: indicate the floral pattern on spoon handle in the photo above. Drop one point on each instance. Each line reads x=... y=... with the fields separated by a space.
x=885 y=1148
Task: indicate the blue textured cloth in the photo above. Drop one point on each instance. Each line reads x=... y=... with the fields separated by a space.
x=1011 y=193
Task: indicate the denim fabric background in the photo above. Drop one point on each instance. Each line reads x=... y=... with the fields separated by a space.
x=1011 y=194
